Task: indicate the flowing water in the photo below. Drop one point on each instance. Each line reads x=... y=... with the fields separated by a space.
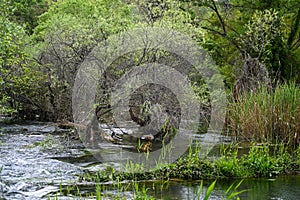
x=39 y=160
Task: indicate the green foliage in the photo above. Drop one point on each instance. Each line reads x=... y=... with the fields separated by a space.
x=209 y=190
x=262 y=29
x=141 y=193
x=25 y=12
x=62 y=33
x=264 y=39
x=167 y=14
x=229 y=164
x=20 y=76
x=298 y=156
x=98 y=192
x=190 y=169
x=260 y=162
x=102 y=16
x=12 y=39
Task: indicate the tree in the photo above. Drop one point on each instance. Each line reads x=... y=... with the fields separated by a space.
x=26 y=12
x=20 y=77
x=65 y=35
x=228 y=24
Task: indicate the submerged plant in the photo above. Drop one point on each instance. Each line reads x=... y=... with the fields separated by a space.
x=48 y=143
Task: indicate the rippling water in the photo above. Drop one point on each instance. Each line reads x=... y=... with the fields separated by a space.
x=28 y=170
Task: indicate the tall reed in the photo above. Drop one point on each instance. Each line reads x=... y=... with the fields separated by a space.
x=268 y=115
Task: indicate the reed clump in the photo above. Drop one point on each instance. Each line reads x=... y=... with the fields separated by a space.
x=268 y=115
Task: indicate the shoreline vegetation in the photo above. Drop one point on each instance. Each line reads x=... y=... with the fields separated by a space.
x=267 y=115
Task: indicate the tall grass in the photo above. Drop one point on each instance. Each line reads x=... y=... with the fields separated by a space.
x=268 y=116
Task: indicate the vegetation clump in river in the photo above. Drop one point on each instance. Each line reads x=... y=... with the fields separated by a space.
x=262 y=160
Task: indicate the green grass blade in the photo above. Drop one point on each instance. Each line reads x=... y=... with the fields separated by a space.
x=209 y=189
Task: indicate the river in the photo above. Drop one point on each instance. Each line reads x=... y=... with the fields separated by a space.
x=37 y=159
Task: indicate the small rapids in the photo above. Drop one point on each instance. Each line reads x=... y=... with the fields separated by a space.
x=32 y=160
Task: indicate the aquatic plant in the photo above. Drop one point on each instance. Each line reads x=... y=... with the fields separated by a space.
x=208 y=191
x=229 y=165
x=232 y=192
x=259 y=161
x=48 y=143
x=268 y=115
x=141 y=193
x=262 y=160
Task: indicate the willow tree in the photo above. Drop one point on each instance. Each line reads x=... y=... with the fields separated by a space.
x=65 y=35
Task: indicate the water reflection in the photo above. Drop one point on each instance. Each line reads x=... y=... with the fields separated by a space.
x=284 y=187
